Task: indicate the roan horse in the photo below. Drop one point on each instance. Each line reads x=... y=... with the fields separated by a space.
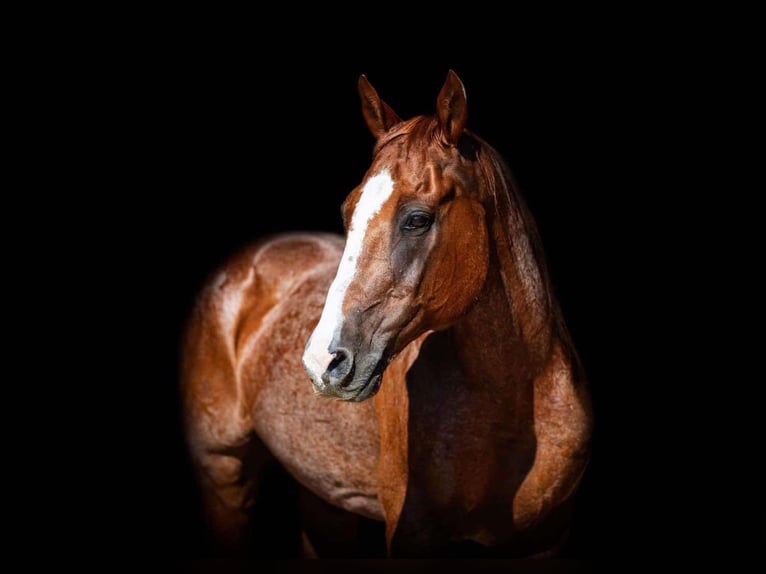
x=439 y=306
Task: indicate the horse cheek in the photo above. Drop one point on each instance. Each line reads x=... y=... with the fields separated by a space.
x=472 y=252
x=458 y=265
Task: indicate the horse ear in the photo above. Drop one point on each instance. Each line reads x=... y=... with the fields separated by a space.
x=451 y=108
x=377 y=113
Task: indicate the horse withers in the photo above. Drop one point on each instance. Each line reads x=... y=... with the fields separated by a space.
x=419 y=374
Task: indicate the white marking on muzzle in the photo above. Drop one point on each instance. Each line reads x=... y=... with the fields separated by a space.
x=317 y=356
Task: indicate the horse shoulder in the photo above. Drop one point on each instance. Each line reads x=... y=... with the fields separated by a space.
x=563 y=416
x=563 y=427
x=232 y=309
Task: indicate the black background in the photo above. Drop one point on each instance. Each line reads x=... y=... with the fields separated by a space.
x=222 y=139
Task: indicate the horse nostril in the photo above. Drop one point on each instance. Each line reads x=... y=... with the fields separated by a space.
x=337 y=361
x=339 y=371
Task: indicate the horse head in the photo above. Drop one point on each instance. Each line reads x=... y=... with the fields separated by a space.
x=417 y=248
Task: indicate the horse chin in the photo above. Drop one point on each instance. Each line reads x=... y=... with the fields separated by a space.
x=368 y=390
x=371 y=380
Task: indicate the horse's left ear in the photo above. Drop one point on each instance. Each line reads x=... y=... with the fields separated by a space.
x=451 y=108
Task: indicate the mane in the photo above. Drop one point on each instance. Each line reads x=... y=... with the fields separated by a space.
x=524 y=268
x=517 y=241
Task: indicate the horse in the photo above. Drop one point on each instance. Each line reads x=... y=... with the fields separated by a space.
x=419 y=374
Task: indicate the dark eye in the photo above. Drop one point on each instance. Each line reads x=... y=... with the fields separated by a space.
x=417 y=221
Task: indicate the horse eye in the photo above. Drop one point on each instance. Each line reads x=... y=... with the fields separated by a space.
x=418 y=221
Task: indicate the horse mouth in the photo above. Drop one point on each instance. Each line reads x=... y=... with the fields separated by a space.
x=367 y=390
x=371 y=385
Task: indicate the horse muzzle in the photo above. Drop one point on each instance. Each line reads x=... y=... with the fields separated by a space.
x=350 y=376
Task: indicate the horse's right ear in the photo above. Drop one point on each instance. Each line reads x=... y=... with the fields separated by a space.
x=377 y=113
x=451 y=108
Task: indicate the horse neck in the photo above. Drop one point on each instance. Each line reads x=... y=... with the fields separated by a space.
x=505 y=339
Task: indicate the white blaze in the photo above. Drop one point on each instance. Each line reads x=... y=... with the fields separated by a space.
x=317 y=357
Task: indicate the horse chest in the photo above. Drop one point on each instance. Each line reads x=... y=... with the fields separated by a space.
x=330 y=447
x=468 y=468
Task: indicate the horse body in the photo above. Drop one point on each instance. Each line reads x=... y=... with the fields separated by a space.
x=478 y=423
x=243 y=375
